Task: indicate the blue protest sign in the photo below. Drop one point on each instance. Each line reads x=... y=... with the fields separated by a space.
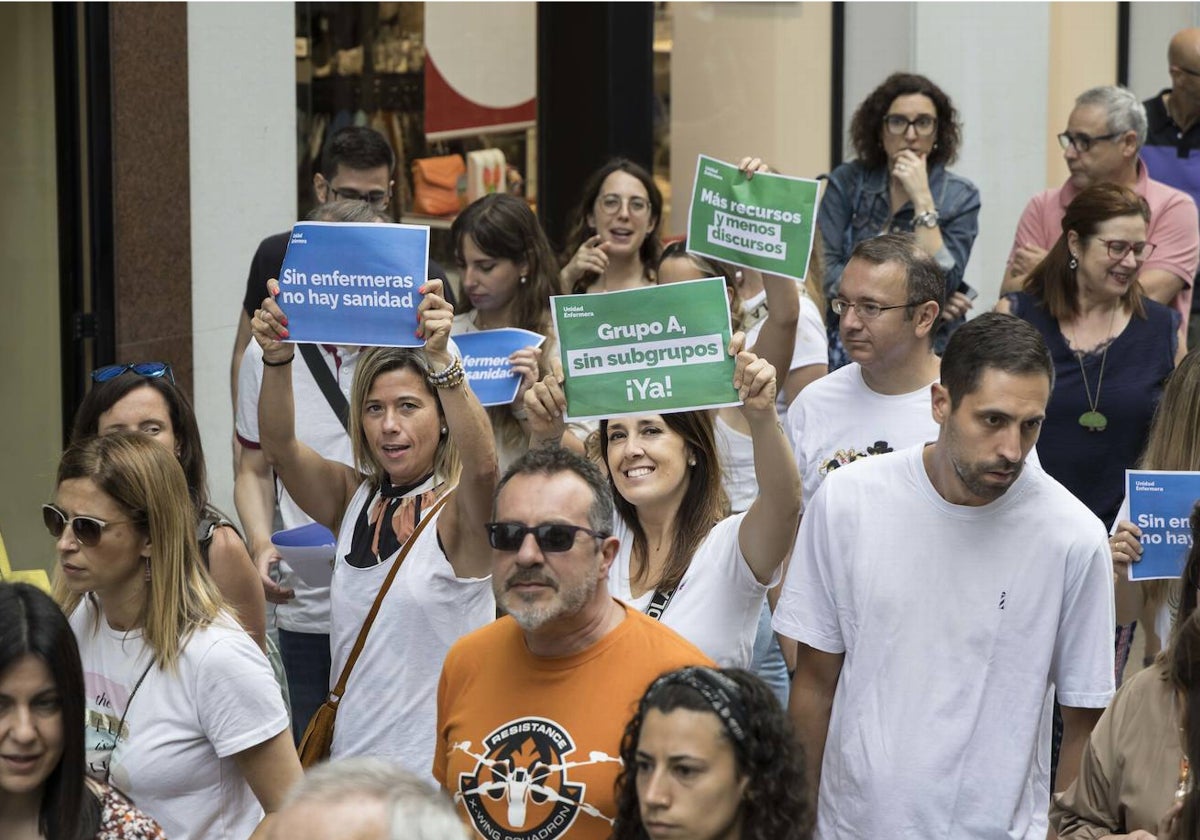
x=485 y=360
x=1160 y=503
x=346 y=283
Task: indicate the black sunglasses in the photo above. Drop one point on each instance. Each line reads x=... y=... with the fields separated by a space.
x=150 y=370
x=553 y=536
x=87 y=529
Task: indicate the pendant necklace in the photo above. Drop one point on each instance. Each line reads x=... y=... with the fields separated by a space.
x=1093 y=420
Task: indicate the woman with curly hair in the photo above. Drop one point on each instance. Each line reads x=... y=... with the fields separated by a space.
x=905 y=134
x=711 y=754
x=613 y=243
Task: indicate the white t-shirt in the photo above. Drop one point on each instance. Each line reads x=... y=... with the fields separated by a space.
x=735 y=453
x=182 y=729
x=957 y=624
x=838 y=419
x=317 y=427
x=718 y=601
x=812 y=342
x=390 y=707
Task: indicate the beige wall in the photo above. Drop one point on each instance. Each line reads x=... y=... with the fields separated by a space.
x=29 y=334
x=748 y=78
x=1083 y=54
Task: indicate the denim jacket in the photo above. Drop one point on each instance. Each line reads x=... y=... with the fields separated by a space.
x=856 y=207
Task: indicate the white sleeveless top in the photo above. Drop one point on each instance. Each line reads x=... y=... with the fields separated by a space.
x=390 y=706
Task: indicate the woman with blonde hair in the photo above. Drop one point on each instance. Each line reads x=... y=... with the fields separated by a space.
x=183 y=712
x=424 y=456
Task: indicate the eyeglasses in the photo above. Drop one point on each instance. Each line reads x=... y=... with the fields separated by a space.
x=898 y=124
x=551 y=537
x=150 y=370
x=866 y=310
x=376 y=198
x=611 y=203
x=1083 y=142
x=87 y=529
x=1118 y=248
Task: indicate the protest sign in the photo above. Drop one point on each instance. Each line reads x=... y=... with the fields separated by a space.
x=656 y=349
x=485 y=360
x=346 y=283
x=766 y=223
x=1160 y=503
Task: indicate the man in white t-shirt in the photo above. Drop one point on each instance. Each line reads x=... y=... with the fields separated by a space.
x=889 y=301
x=942 y=595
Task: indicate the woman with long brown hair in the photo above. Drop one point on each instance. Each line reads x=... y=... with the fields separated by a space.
x=683 y=559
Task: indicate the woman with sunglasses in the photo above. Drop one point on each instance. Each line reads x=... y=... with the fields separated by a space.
x=44 y=791
x=683 y=559
x=182 y=710
x=711 y=755
x=905 y=134
x=418 y=501
x=143 y=397
x=613 y=244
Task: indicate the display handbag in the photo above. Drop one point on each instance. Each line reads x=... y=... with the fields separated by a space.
x=435 y=184
x=318 y=735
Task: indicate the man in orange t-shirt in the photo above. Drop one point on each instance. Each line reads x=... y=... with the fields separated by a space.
x=531 y=708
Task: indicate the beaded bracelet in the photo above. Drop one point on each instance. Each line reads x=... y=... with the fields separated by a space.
x=451 y=377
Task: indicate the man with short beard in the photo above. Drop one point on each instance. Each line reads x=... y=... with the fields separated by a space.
x=531 y=708
x=943 y=594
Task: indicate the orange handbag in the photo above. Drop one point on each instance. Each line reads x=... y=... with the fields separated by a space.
x=435 y=184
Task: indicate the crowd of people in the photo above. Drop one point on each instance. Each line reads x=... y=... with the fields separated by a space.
x=888 y=594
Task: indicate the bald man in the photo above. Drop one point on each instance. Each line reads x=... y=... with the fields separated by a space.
x=1172 y=149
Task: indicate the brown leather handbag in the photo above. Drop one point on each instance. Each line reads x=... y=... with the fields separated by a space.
x=318 y=735
x=435 y=184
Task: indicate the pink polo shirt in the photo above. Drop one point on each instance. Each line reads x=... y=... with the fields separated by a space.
x=1174 y=228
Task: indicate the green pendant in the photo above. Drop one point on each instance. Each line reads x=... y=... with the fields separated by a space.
x=1093 y=421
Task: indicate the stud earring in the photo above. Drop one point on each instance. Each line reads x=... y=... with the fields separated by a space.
x=524 y=280
x=691 y=462
x=1073 y=263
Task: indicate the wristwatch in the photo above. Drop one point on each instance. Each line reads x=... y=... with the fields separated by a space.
x=928 y=219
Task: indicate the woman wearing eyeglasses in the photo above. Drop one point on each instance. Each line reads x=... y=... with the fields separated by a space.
x=416 y=504
x=613 y=243
x=182 y=710
x=905 y=134
x=1112 y=346
x=143 y=397
x=683 y=559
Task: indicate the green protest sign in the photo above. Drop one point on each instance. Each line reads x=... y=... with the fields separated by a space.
x=766 y=223
x=653 y=350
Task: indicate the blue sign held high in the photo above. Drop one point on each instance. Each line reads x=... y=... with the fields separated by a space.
x=347 y=283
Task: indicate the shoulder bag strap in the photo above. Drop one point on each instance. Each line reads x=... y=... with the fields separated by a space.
x=335 y=696
x=325 y=381
x=658 y=604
